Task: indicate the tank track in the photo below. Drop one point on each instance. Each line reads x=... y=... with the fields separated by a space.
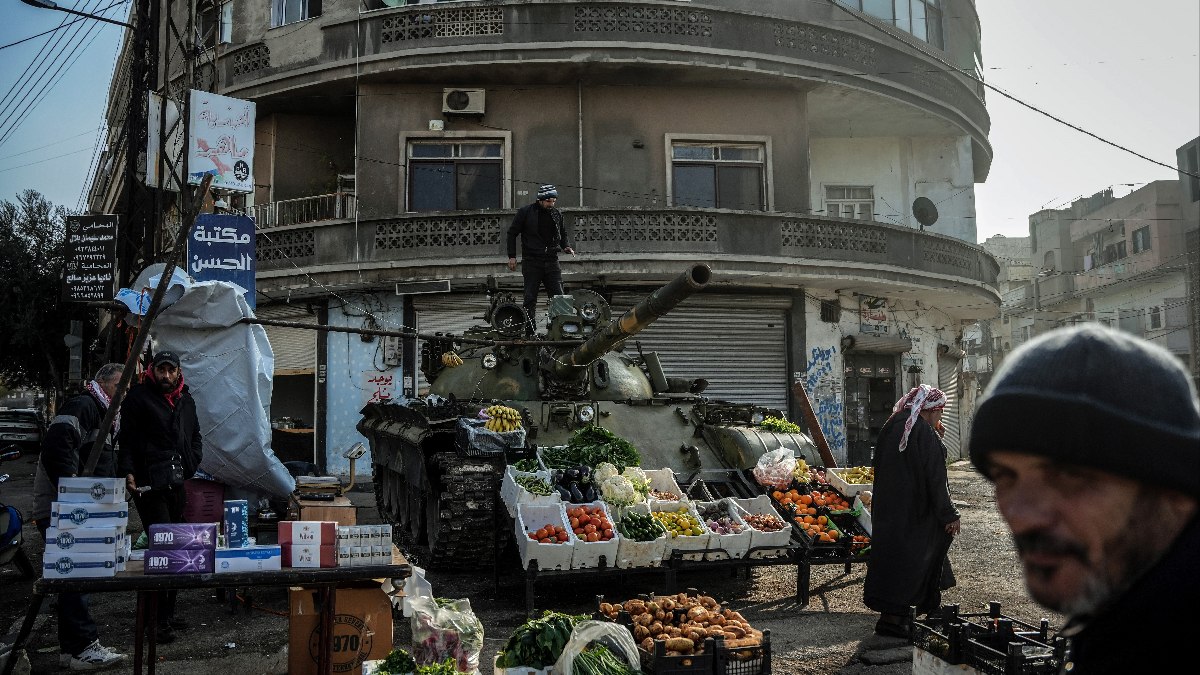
x=463 y=534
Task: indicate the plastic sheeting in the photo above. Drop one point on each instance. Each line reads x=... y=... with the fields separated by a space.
x=227 y=366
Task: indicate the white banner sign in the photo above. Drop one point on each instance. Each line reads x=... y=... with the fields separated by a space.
x=156 y=166
x=221 y=143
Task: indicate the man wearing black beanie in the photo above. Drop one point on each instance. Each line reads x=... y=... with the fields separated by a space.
x=1092 y=438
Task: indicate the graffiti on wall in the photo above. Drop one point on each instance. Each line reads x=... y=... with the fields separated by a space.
x=825 y=388
x=380 y=387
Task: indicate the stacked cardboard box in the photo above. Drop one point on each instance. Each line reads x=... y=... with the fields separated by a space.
x=86 y=537
x=181 y=548
x=238 y=554
x=308 y=543
x=360 y=545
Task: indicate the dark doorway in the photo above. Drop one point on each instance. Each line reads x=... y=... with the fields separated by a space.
x=870 y=395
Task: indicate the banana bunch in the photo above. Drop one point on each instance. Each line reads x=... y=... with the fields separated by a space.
x=451 y=360
x=502 y=418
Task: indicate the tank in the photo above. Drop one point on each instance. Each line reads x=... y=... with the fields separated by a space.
x=585 y=370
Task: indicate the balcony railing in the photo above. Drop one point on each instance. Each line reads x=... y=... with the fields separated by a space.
x=335 y=206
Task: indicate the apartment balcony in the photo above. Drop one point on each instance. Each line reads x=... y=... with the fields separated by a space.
x=305 y=210
x=635 y=245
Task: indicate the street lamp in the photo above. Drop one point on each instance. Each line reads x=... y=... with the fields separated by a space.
x=47 y=4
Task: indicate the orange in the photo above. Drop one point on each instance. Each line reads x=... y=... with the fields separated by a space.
x=777 y=495
x=822 y=519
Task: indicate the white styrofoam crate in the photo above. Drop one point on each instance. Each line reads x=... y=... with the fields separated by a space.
x=520 y=670
x=531 y=518
x=734 y=545
x=762 y=506
x=688 y=543
x=512 y=493
x=838 y=483
x=632 y=553
x=864 y=518
x=663 y=480
x=587 y=553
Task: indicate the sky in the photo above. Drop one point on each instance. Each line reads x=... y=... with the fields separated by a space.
x=1128 y=72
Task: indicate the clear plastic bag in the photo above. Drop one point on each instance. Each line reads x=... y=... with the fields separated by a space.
x=616 y=638
x=774 y=469
x=444 y=629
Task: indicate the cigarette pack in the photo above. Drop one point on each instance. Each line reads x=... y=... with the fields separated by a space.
x=86 y=539
x=308 y=533
x=237 y=522
x=179 y=561
x=344 y=556
x=249 y=559
x=301 y=555
x=179 y=536
x=90 y=490
x=72 y=565
x=69 y=516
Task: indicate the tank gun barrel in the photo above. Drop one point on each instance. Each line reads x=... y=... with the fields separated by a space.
x=638 y=317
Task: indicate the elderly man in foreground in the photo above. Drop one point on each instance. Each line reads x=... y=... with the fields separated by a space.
x=1092 y=438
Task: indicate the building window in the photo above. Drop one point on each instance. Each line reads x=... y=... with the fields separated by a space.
x=284 y=12
x=1048 y=261
x=214 y=23
x=1141 y=239
x=852 y=202
x=1191 y=164
x=1155 y=318
x=455 y=176
x=1114 y=251
x=921 y=18
x=718 y=175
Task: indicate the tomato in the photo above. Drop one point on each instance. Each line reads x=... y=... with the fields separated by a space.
x=563 y=536
x=589 y=528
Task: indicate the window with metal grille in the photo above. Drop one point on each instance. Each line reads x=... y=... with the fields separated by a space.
x=854 y=202
x=455 y=176
x=1141 y=239
x=1155 y=317
x=719 y=175
x=831 y=311
x=284 y=12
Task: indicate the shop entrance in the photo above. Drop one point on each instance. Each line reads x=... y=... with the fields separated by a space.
x=870 y=394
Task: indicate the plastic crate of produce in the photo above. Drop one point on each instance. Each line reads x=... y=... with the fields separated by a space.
x=519 y=670
x=744 y=660
x=839 y=483
x=587 y=553
x=683 y=543
x=993 y=655
x=532 y=517
x=663 y=480
x=631 y=553
x=733 y=545
x=512 y=493
x=658 y=662
x=761 y=505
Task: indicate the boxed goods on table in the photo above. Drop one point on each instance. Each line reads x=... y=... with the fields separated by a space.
x=180 y=561
x=74 y=565
x=306 y=555
x=685 y=532
x=86 y=540
x=551 y=553
x=177 y=536
x=237 y=523
x=643 y=539
x=256 y=558
x=308 y=532
x=67 y=515
x=90 y=490
x=593 y=535
x=360 y=545
x=728 y=532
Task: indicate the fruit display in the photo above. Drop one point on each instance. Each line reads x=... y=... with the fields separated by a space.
x=860 y=542
x=680 y=523
x=858 y=475
x=575 y=484
x=534 y=485
x=590 y=523
x=819 y=527
x=502 y=418
x=684 y=622
x=550 y=534
x=451 y=360
x=640 y=526
x=801 y=472
x=718 y=519
x=764 y=522
x=830 y=499
x=664 y=496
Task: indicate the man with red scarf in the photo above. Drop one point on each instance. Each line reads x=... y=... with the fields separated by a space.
x=160 y=447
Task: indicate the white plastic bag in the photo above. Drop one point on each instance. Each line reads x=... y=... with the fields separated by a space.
x=446 y=629
x=615 y=637
x=774 y=469
x=415 y=586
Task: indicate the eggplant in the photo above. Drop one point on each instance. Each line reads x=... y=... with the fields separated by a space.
x=589 y=493
x=563 y=492
x=576 y=495
x=585 y=472
x=573 y=474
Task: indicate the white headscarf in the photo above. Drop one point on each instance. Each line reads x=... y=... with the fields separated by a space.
x=918 y=399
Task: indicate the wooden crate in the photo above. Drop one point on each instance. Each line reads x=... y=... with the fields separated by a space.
x=339 y=510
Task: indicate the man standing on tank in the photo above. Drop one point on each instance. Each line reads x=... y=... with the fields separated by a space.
x=543 y=235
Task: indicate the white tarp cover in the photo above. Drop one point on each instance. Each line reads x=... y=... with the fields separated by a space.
x=227 y=366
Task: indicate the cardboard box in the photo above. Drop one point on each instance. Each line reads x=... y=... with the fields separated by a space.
x=69 y=516
x=73 y=565
x=180 y=536
x=90 y=490
x=307 y=533
x=297 y=555
x=249 y=559
x=339 y=510
x=362 y=629
x=180 y=561
x=237 y=523
x=86 y=539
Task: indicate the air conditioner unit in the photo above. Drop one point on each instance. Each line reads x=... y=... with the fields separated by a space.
x=462 y=101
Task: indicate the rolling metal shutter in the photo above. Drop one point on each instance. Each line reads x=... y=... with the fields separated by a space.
x=737 y=343
x=948 y=383
x=450 y=313
x=295 y=348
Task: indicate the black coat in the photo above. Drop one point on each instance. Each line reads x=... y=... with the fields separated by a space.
x=909 y=512
x=152 y=432
x=525 y=224
x=69 y=439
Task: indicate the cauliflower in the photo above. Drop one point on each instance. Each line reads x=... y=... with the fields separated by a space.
x=639 y=479
x=618 y=491
x=603 y=472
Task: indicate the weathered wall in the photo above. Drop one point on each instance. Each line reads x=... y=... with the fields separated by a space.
x=309 y=152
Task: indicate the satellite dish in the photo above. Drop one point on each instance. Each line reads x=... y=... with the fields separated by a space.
x=925 y=211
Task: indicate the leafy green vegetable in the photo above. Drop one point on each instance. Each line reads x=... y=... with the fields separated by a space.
x=591 y=446
x=538 y=643
x=446 y=667
x=526 y=465
x=598 y=660
x=398 y=662
x=781 y=425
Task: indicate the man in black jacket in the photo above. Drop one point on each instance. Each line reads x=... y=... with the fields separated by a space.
x=64 y=452
x=1092 y=437
x=160 y=447
x=543 y=236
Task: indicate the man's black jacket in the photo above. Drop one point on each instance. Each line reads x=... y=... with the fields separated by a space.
x=70 y=436
x=525 y=224
x=152 y=432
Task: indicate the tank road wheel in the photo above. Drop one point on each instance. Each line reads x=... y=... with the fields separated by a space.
x=382 y=479
x=459 y=512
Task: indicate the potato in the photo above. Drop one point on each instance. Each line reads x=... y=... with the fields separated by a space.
x=668 y=604
x=714 y=632
x=671 y=652
x=734 y=632
x=659 y=615
x=697 y=614
x=645 y=618
x=656 y=629
x=695 y=635
x=716 y=620
x=640 y=633
x=606 y=608
x=680 y=644
x=647 y=644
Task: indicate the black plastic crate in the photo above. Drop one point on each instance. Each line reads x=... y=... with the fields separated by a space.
x=750 y=660
x=993 y=654
x=659 y=663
